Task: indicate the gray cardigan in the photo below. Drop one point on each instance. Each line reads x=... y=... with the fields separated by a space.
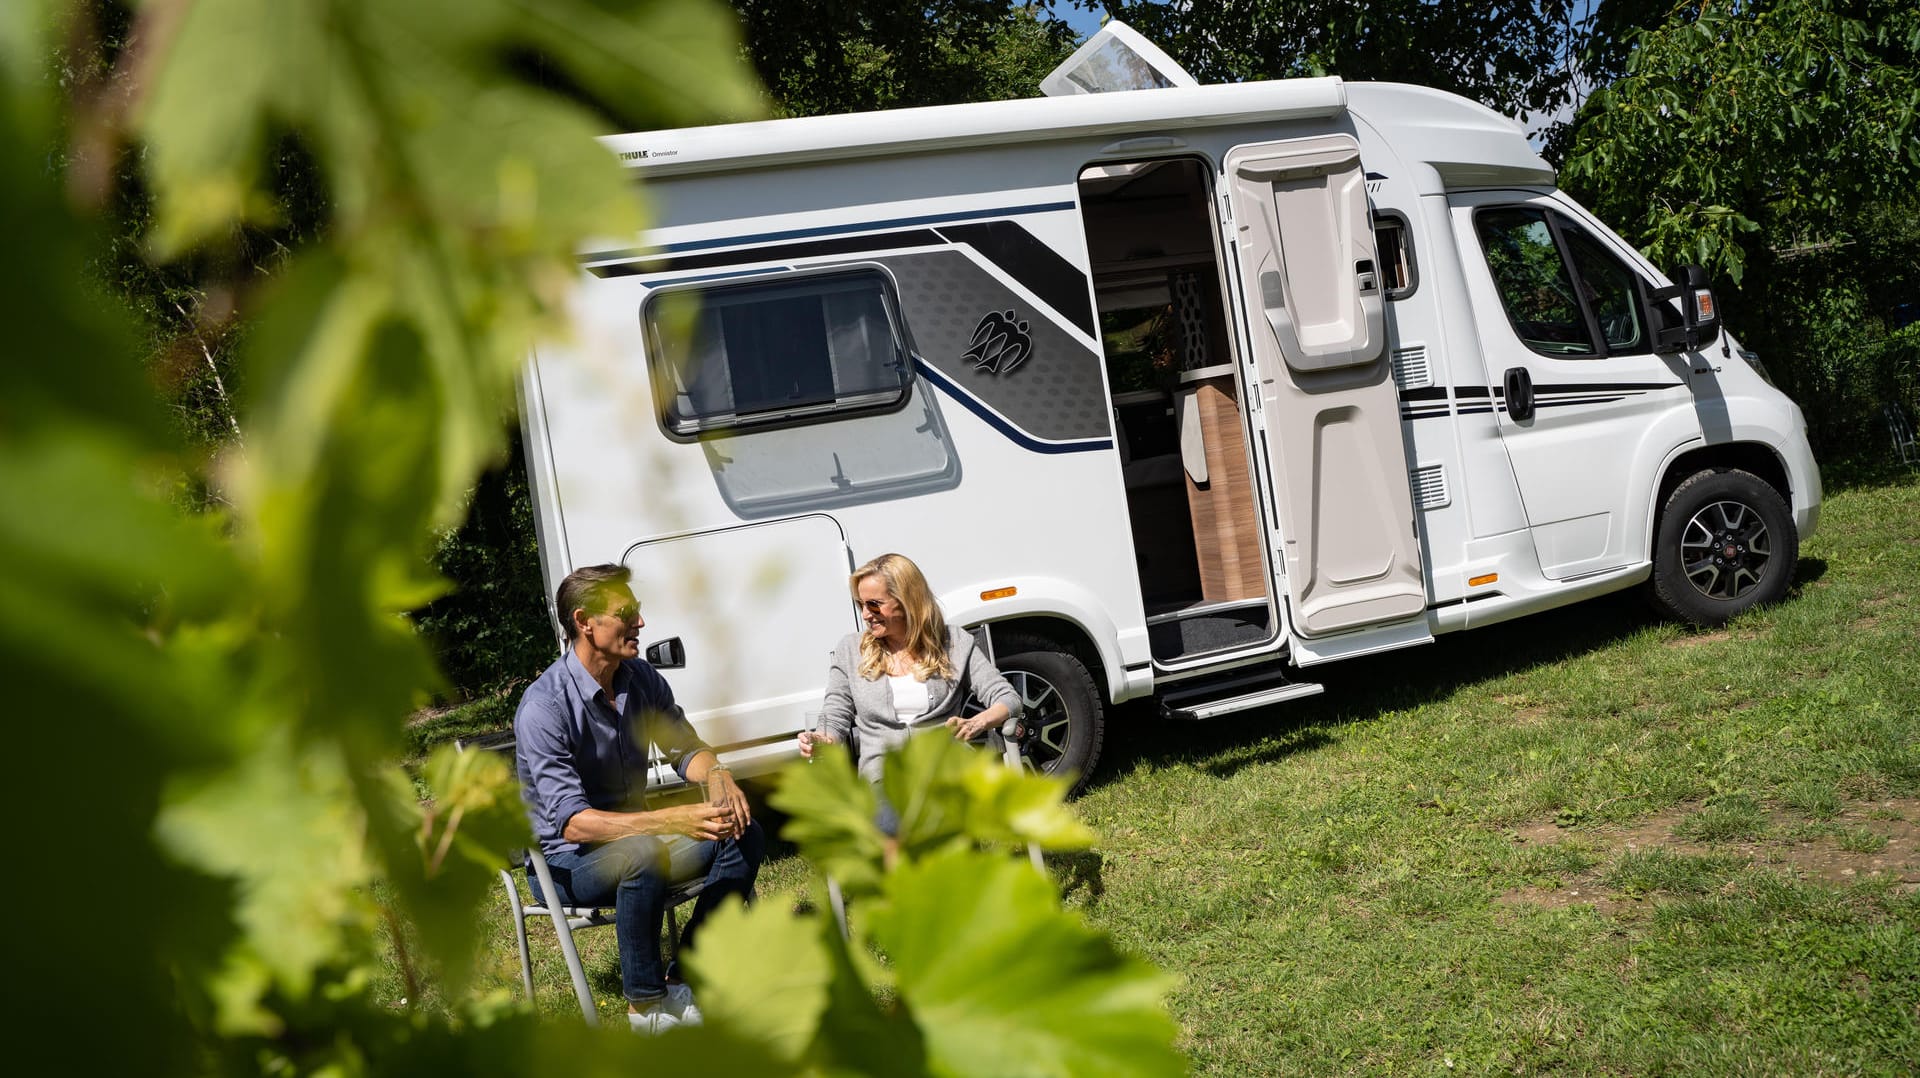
x=864 y=707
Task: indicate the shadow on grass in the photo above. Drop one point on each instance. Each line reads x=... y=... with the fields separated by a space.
x=1866 y=471
x=1079 y=871
x=1358 y=690
x=1806 y=571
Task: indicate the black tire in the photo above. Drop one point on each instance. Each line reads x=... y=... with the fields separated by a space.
x=1064 y=722
x=1725 y=543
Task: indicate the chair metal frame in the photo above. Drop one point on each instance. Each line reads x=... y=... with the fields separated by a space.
x=568 y=919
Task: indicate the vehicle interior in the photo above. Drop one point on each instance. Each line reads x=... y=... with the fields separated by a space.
x=1170 y=365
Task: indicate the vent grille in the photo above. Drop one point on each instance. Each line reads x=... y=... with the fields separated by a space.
x=1430 y=487
x=1410 y=369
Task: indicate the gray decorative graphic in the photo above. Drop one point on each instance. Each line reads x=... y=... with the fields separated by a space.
x=1000 y=344
x=1058 y=395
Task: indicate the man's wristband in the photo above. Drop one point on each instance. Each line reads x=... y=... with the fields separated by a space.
x=718 y=766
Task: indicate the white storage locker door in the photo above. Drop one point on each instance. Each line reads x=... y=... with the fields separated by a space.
x=758 y=608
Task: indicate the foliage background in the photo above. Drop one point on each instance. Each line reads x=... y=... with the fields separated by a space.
x=1688 y=140
x=230 y=629
x=339 y=224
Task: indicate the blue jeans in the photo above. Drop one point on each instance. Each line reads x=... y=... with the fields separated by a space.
x=633 y=875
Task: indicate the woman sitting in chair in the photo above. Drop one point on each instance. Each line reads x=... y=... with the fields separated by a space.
x=908 y=672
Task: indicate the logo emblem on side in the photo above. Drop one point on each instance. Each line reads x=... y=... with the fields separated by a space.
x=1000 y=344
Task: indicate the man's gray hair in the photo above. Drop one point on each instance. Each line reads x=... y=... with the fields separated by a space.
x=585 y=589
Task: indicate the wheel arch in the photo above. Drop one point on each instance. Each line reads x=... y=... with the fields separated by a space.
x=1060 y=612
x=1062 y=633
x=1755 y=457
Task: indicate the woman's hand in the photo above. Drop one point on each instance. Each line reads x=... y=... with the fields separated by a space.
x=966 y=728
x=810 y=738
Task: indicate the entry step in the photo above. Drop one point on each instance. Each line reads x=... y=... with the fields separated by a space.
x=1196 y=710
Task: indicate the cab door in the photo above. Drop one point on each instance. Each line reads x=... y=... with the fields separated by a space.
x=1328 y=410
x=1566 y=333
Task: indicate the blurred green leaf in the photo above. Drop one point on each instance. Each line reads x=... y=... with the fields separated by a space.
x=283 y=825
x=947 y=791
x=1019 y=807
x=924 y=782
x=829 y=810
x=460 y=838
x=1002 y=981
x=762 y=975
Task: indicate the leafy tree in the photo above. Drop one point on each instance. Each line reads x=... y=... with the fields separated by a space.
x=490 y=631
x=236 y=677
x=1513 y=58
x=828 y=56
x=1775 y=142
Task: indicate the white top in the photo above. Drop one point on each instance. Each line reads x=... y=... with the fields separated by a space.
x=910 y=697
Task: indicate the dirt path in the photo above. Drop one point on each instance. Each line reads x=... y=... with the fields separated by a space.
x=1819 y=858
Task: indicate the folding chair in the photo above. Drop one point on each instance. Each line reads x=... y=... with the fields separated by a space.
x=566 y=919
x=1900 y=428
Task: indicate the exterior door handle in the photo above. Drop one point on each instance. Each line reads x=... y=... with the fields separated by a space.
x=1519 y=394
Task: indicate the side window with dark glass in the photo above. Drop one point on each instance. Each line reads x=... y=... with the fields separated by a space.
x=777 y=350
x=1611 y=291
x=1564 y=292
x=1534 y=284
x=1398 y=275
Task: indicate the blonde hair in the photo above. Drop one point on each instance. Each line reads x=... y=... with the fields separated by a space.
x=926 y=627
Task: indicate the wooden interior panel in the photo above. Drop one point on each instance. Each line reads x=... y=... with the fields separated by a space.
x=1226 y=529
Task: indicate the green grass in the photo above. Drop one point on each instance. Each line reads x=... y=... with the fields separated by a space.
x=1334 y=880
x=1583 y=842
x=474 y=718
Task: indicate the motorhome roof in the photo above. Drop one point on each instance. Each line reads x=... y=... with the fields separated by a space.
x=1467 y=143
x=768 y=143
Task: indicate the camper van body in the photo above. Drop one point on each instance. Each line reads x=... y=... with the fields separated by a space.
x=1177 y=392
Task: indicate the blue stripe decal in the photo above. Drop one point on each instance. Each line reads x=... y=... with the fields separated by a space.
x=1019 y=437
x=830 y=230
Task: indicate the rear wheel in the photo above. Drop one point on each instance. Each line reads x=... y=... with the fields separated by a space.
x=1062 y=723
x=1725 y=543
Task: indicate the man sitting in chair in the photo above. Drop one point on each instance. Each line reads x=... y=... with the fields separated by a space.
x=581 y=744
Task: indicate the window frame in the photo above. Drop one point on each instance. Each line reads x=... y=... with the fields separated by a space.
x=667 y=382
x=1396 y=219
x=1558 y=225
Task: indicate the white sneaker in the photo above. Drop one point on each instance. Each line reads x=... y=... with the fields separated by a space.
x=654 y=1018
x=679 y=1003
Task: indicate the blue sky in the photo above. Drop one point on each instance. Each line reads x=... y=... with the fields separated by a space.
x=1084 y=22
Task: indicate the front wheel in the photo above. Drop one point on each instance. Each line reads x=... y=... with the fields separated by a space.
x=1725 y=542
x=1061 y=725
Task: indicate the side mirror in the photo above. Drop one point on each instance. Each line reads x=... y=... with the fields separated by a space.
x=1699 y=314
x=668 y=654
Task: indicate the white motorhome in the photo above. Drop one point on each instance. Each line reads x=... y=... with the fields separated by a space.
x=1174 y=392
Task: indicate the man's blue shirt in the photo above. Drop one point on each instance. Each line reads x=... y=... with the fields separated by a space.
x=576 y=749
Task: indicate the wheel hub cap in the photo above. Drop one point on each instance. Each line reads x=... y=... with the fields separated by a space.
x=1725 y=548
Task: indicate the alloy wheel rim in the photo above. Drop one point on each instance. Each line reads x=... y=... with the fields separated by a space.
x=1725 y=549
x=1044 y=724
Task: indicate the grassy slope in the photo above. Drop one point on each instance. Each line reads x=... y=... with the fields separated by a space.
x=1374 y=881
x=1585 y=841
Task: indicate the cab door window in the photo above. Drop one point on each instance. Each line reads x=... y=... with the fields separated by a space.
x=1564 y=293
x=1611 y=291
